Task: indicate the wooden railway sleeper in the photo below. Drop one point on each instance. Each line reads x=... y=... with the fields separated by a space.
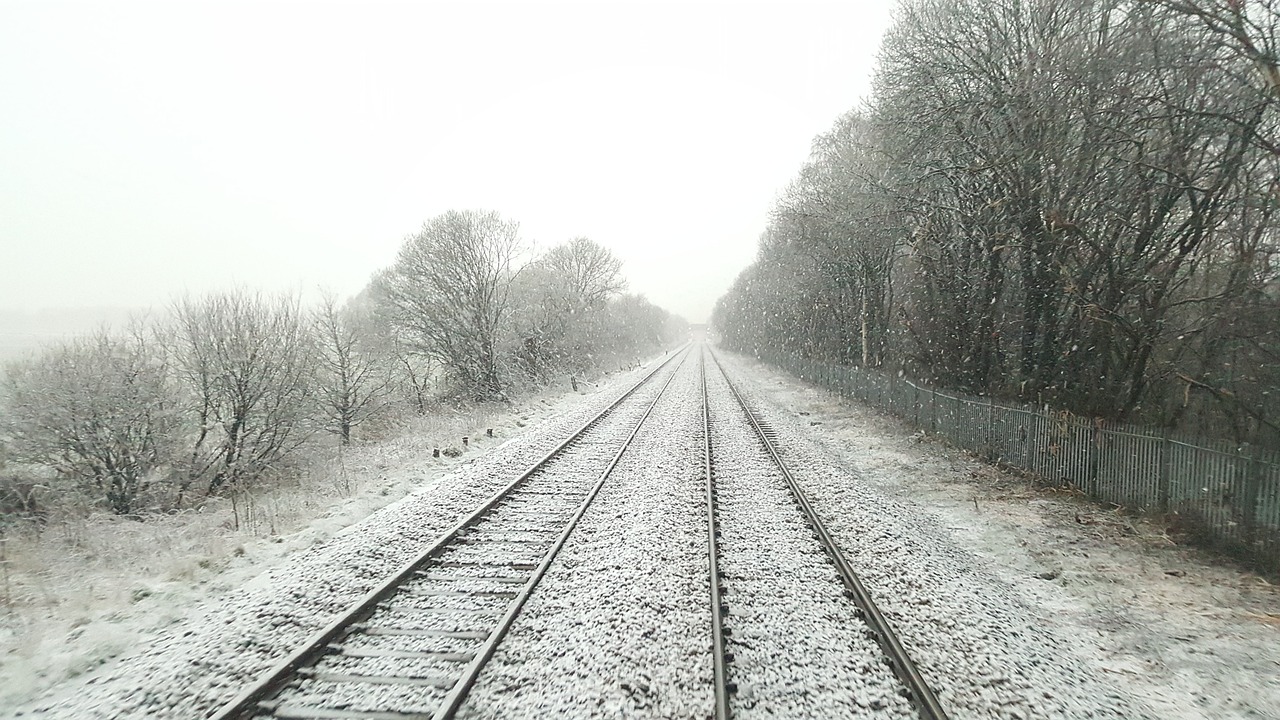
x=440 y=682
x=441 y=655
x=437 y=592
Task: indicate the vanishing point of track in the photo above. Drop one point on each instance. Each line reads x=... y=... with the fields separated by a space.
x=914 y=685
x=453 y=603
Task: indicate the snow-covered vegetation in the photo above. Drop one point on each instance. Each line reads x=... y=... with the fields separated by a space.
x=144 y=459
x=1067 y=203
x=217 y=398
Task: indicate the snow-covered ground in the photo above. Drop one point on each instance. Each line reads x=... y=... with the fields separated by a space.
x=84 y=590
x=620 y=625
x=1111 y=620
x=180 y=652
x=1185 y=634
x=798 y=647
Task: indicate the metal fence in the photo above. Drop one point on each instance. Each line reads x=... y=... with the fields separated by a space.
x=1226 y=496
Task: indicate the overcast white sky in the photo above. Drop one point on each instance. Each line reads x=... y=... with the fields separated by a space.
x=152 y=149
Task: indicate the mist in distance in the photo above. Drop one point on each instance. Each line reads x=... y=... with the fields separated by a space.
x=155 y=150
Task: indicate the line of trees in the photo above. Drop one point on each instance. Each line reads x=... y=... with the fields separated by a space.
x=1070 y=202
x=216 y=398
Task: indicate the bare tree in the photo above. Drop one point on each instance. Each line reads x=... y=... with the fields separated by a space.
x=448 y=293
x=839 y=214
x=1068 y=166
x=632 y=326
x=353 y=383
x=101 y=412
x=1085 y=191
x=591 y=273
x=559 y=302
x=247 y=363
x=781 y=302
x=543 y=309
x=413 y=374
x=416 y=374
x=1247 y=28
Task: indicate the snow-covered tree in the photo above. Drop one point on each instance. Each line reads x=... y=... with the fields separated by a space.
x=101 y=412
x=353 y=381
x=448 y=294
x=590 y=273
x=558 y=306
x=247 y=363
x=1062 y=201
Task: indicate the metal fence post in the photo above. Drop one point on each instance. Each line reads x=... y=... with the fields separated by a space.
x=1249 y=495
x=991 y=428
x=1162 y=478
x=1094 y=449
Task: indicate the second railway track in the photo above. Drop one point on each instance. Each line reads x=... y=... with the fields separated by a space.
x=785 y=607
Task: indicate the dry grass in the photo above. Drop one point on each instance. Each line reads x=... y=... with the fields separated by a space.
x=77 y=591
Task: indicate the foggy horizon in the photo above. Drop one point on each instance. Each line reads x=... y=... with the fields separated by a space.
x=272 y=150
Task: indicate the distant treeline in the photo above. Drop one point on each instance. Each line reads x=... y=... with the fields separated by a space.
x=1070 y=202
x=215 y=397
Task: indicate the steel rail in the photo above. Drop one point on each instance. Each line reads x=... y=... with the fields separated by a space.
x=899 y=661
x=719 y=656
x=453 y=701
x=246 y=705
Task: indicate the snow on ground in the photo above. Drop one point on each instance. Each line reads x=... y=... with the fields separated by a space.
x=1187 y=634
x=185 y=646
x=799 y=649
x=1111 y=616
x=620 y=625
x=544 y=501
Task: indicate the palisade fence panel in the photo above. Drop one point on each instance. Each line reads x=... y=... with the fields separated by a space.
x=1225 y=496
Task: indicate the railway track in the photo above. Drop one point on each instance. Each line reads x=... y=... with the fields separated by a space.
x=412 y=647
x=913 y=685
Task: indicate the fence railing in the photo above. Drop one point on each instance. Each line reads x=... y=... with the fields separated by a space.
x=1225 y=496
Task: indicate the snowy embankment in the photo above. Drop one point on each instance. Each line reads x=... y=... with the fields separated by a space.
x=79 y=592
x=1186 y=634
x=981 y=647
x=202 y=660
